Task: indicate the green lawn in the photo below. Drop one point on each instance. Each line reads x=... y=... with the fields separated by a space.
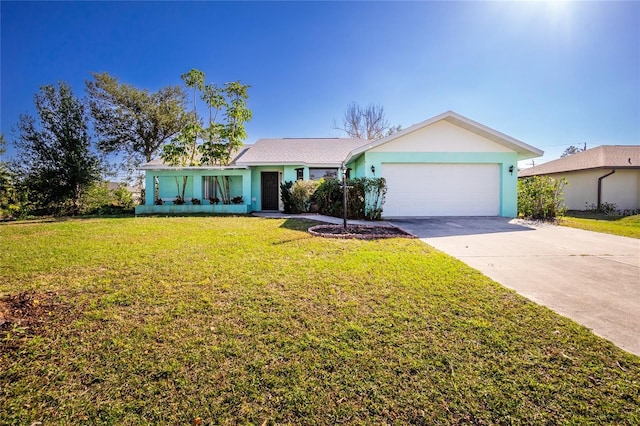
x=626 y=226
x=253 y=321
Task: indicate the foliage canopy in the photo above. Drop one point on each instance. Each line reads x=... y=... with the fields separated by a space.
x=214 y=144
x=56 y=163
x=134 y=121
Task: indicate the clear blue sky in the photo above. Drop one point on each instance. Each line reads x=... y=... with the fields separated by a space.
x=551 y=74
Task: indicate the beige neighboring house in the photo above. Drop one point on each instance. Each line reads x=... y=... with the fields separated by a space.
x=605 y=174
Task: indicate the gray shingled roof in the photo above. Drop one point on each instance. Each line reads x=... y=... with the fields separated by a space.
x=318 y=152
x=601 y=157
x=158 y=163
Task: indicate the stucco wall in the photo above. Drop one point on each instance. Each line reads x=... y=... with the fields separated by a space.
x=441 y=136
x=621 y=188
x=240 y=183
x=286 y=173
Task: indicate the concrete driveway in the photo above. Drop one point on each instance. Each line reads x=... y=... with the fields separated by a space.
x=590 y=277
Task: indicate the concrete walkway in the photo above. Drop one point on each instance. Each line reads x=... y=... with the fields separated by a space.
x=317 y=217
x=590 y=277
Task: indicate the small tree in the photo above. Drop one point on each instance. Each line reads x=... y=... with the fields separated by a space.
x=220 y=139
x=365 y=123
x=540 y=197
x=572 y=149
x=55 y=163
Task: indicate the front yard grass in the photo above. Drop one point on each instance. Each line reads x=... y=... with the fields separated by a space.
x=253 y=321
x=625 y=226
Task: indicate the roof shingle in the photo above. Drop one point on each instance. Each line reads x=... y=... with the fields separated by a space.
x=327 y=151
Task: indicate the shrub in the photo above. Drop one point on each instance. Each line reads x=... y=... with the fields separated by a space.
x=365 y=198
x=214 y=200
x=375 y=190
x=178 y=201
x=329 y=197
x=285 y=196
x=237 y=200
x=100 y=200
x=302 y=194
x=608 y=209
x=540 y=197
x=123 y=198
x=195 y=201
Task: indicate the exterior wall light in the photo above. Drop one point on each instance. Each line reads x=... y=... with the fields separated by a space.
x=373 y=169
x=511 y=169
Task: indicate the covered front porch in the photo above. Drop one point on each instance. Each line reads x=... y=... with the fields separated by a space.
x=210 y=190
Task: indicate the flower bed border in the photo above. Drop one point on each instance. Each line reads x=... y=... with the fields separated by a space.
x=399 y=233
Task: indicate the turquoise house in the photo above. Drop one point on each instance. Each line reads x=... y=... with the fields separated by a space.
x=447 y=165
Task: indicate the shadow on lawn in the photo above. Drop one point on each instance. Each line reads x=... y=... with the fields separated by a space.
x=301 y=225
x=434 y=227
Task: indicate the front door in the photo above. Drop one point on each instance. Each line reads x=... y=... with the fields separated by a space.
x=270 y=186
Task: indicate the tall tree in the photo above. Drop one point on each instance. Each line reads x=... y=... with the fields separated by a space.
x=224 y=134
x=572 y=149
x=55 y=161
x=134 y=121
x=366 y=123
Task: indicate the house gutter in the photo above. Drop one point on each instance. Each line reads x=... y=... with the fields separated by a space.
x=600 y=187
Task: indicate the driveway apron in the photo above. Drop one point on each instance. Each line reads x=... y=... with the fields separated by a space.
x=590 y=277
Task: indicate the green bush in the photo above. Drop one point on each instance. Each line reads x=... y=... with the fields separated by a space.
x=13 y=203
x=297 y=196
x=375 y=190
x=301 y=195
x=100 y=200
x=329 y=197
x=540 y=197
x=285 y=196
x=365 y=197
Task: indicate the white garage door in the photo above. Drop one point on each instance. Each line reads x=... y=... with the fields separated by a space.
x=442 y=189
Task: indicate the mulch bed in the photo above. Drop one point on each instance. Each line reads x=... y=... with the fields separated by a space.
x=362 y=232
x=25 y=314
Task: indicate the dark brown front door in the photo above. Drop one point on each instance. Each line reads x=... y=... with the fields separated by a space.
x=270 y=191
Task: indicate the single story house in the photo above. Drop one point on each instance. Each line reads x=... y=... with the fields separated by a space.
x=605 y=174
x=447 y=165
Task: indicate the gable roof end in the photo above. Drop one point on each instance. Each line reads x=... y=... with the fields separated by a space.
x=524 y=150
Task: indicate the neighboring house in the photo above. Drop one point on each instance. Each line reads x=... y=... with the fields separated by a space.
x=135 y=191
x=447 y=165
x=605 y=174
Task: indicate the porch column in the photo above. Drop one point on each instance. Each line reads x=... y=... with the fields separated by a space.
x=149 y=188
x=197 y=186
x=246 y=187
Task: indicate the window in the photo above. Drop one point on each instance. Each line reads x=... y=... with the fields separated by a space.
x=299 y=174
x=317 y=174
x=208 y=187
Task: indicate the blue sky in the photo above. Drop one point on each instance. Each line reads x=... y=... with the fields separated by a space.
x=551 y=74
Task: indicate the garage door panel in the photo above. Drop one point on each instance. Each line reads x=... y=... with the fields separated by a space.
x=442 y=189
